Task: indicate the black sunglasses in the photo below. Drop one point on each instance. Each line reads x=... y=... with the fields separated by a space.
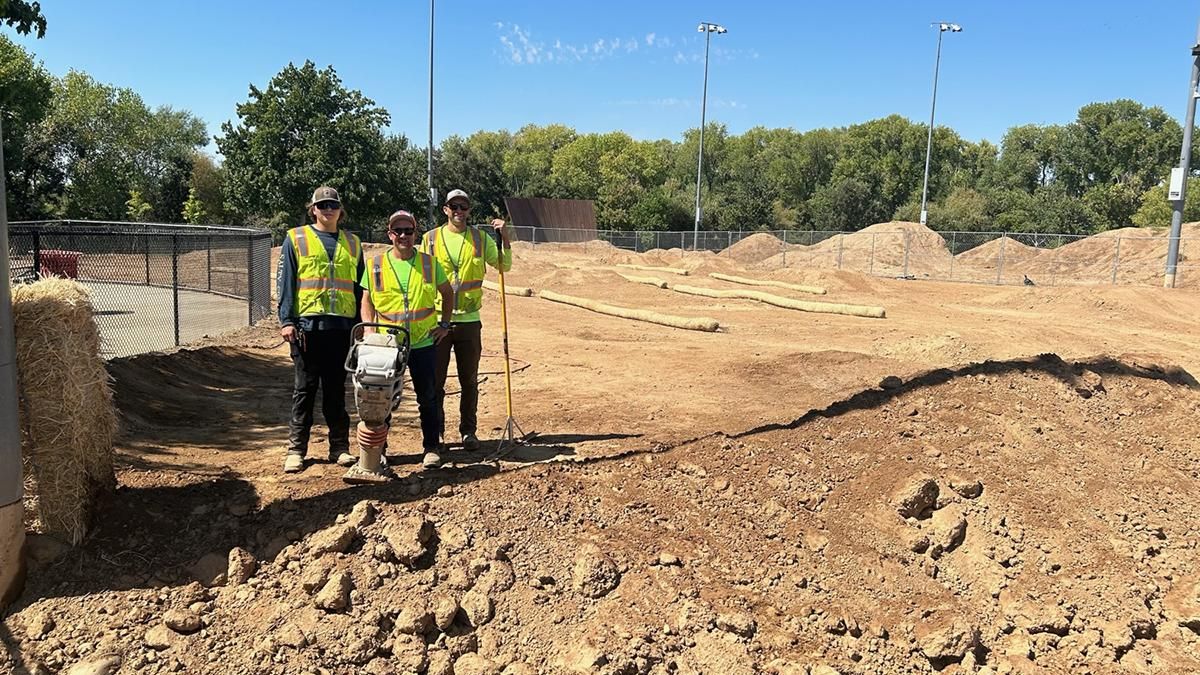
x=401 y=231
x=328 y=205
x=459 y=207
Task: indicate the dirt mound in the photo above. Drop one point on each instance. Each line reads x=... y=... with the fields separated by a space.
x=754 y=248
x=879 y=249
x=898 y=530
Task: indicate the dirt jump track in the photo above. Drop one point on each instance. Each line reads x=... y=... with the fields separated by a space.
x=989 y=480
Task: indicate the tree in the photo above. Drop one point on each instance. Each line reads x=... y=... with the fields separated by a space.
x=105 y=143
x=136 y=207
x=205 y=186
x=476 y=164
x=849 y=204
x=530 y=157
x=23 y=15
x=1156 y=211
x=1028 y=157
x=1118 y=142
x=304 y=130
x=193 y=209
x=26 y=90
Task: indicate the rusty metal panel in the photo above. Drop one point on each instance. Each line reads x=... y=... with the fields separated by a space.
x=553 y=220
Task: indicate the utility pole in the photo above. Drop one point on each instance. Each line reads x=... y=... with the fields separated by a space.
x=429 y=148
x=1177 y=190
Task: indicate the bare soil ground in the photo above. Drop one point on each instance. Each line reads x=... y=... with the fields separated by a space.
x=990 y=480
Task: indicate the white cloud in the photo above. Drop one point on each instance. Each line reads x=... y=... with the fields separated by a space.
x=650 y=39
x=519 y=46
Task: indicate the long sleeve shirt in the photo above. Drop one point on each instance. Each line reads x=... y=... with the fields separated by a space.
x=286 y=283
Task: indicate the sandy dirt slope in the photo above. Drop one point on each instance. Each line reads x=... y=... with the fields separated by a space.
x=798 y=493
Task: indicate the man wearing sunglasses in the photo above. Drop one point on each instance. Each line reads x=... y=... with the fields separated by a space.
x=464 y=252
x=403 y=288
x=319 y=266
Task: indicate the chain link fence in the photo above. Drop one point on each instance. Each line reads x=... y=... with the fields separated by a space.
x=1113 y=258
x=153 y=286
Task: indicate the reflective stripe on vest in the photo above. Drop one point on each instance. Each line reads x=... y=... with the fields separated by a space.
x=467 y=271
x=388 y=297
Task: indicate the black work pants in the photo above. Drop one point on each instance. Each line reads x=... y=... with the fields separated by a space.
x=467 y=343
x=422 y=371
x=320 y=362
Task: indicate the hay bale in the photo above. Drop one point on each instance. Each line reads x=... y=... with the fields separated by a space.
x=653 y=281
x=67 y=415
x=867 y=311
x=815 y=290
x=519 y=291
x=646 y=268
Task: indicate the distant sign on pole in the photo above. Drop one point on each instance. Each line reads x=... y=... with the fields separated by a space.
x=1175 y=187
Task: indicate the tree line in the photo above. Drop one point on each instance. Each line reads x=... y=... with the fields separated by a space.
x=78 y=148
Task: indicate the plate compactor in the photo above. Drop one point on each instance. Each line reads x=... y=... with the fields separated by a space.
x=376 y=364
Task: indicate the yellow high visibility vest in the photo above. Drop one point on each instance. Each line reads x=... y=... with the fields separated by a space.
x=465 y=268
x=416 y=312
x=324 y=286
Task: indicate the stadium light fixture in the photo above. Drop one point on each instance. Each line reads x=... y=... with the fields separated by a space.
x=943 y=27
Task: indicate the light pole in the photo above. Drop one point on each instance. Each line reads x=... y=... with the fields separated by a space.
x=1179 y=176
x=429 y=149
x=708 y=29
x=942 y=27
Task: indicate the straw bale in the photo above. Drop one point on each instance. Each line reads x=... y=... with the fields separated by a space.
x=814 y=290
x=646 y=268
x=65 y=398
x=520 y=291
x=867 y=311
x=653 y=281
x=684 y=322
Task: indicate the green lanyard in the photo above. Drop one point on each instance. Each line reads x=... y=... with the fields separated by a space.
x=404 y=293
x=454 y=263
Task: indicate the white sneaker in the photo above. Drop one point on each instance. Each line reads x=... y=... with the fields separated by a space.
x=293 y=463
x=431 y=460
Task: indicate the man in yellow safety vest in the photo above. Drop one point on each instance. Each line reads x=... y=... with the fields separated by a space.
x=464 y=251
x=403 y=288
x=319 y=265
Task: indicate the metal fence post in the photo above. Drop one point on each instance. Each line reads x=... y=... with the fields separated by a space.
x=146 y=248
x=953 y=253
x=1116 y=261
x=210 y=262
x=1000 y=263
x=37 y=253
x=907 y=240
x=250 y=281
x=841 y=245
x=175 y=282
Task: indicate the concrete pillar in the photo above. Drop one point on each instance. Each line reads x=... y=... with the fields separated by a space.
x=12 y=561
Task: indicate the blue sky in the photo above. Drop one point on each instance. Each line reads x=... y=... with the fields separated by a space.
x=638 y=66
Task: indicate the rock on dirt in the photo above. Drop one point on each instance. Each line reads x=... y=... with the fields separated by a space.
x=949 y=530
x=182 y=621
x=242 y=566
x=159 y=637
x=39 y=625
x=916 y=497
x=334 y=596
x=333 y=539
x=444 y=611
x=99 y=664
x=291 y=635
x=408 y=538
x=409 y=653
x=415 y=618
x=211 y=569
x=737 y=623
x=949 y=645
x=362 y=515
x=477 y=607
x=967 y=488
x=474 y=664
x=594 y=575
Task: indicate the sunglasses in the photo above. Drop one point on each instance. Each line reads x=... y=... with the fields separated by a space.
x=459 y=207
x=402 y=231
x=328 y=206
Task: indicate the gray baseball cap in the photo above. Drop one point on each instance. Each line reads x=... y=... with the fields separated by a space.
x=325 y=194
x=457 y=193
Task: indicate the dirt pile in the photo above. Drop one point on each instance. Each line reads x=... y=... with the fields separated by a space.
x=898 y=530
x=878 y=249
x=754 y=248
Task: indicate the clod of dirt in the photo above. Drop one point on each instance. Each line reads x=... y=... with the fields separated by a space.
x=444 y=611
x=314 y=577
x=408 y=538
x=334 y=596
x=1089 y=383
x=737 y=623
x=457 y=645
x=1051 y=619
x=668 y=559
x=917 y=497
x=474 y=664
x=890 y=383
x=290 y=635
x=477 y=607
x=409 y=653
x=949 y=645
x=967 y=488
x=182 y=621
x=39 y=625
x=498 y=578
x=159 y=637
x=440 y=663
x=415 y=618
x=242 y=566
x=518 y=669
x=99 y=664
x=333 y=539
x=210 y=570
x=594 y=575
x=362 y=515
x=949 y=530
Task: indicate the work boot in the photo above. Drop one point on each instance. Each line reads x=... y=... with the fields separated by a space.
x=293 y=463
x=343 y=459
x=432 y=459
x=470 y=442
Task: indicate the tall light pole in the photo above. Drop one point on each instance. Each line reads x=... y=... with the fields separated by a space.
x=429 y=149
x=1179 y=176
x=708 y=29
x=942 y=27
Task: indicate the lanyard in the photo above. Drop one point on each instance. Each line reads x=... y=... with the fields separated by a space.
x=453 y=263
x=403 y=292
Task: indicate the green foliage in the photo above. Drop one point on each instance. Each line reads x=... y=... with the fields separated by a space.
x=530 y=158
x=26 y=17
x=193 y=209
x=136 y=207
x=1155 y=210
x=26 y=90
x=305 y=130
x=475 y=164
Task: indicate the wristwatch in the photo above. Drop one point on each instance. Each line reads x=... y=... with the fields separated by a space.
x=445 y=325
